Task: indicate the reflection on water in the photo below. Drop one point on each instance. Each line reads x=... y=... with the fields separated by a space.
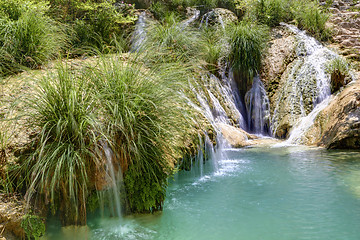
x=261 y=193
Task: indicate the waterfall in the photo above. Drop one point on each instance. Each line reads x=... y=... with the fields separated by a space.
x=187 y=22
x=304 y=124
x=306 y=83
x=114 y=180
x=210 y=16
x=139 y=35
x=258 y=107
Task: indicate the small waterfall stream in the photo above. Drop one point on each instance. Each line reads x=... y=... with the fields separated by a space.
x=139 y=34
x=306 y=85
x=258 y=107
x=114 y=181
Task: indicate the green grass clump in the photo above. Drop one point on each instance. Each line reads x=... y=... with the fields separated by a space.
x=169 y=41
x=339 y=70
x=247 y=42
x=146 y=118
x=66 y=144
x=312 y=18
x=28 y=38
x=136 y=111
x=272 y=12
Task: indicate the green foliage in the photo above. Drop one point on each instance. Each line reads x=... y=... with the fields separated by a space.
x=338 y=64
x=169 y=41
x=28 y=38
x=308 y=14
x=310 y=17
x=33 y=226
x=339 y=70
x=146 y=119
x=145 y=192
x=97 y=25
x=247 y=42
x=272 y=12
x=66 y=144
x=211 y=47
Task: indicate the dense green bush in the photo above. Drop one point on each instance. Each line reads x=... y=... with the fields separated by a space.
x=272 y=12
x=28 y=38
x=33 y=226
x=94 y=25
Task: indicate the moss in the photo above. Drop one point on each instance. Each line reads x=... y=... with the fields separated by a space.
x=33 y=226
x=145 y=191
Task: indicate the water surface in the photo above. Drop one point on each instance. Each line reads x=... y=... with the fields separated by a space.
x=253 y=194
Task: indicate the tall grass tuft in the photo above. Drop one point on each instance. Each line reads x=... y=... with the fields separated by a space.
x=28 y=38
x=312 y=18
x=145 y=116
x=170 y=41
x=66 y=145
x=247 y=42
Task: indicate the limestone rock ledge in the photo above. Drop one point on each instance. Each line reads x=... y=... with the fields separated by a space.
x=239 y=138
x=338 y=125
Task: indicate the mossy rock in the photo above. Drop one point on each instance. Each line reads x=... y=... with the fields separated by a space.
x=33 y=226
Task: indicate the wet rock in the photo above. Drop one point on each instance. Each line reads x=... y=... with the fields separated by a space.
x=338 y=125
x=219 y=17
x=236 y=137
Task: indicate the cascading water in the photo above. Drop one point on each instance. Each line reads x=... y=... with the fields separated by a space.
x=306 y=83
x=187 y=22
x=114 y=180
x=258 y=108
x=210 y=16
x=139 y=35
x=297 y=133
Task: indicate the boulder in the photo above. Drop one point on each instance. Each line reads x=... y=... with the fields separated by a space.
x=219 y=16
x=338 y=125
x=239 y=138
x=236 y=137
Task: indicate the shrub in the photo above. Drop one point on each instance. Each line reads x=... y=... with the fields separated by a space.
x=272 y=12
x=97 y=25
x=33 y=226
x=339 y=70
x=28 y=38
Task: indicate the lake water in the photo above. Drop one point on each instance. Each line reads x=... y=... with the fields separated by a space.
x=287 y=193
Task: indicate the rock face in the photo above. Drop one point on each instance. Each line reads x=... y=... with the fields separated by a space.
x=11 y=213
x=219 y=16
x=345 y=22
x=338 y=125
